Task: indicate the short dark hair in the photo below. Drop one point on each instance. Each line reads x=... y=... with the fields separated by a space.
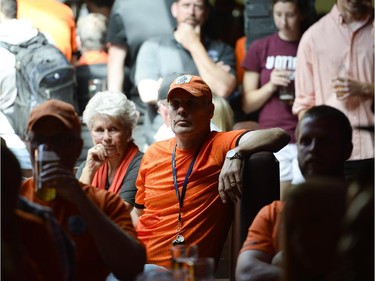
x=306 y=9
x=329 y=112
x=302 y=5
x=102 y=3
x=206 y=2
x=9 y=8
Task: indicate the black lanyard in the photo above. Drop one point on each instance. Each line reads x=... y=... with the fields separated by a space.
x=181 y=197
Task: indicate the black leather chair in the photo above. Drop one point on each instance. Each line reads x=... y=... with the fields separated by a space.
x=261 y=187
x=85 y=73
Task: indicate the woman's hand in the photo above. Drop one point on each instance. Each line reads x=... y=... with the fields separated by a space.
x=96 y=157
x=280 y=77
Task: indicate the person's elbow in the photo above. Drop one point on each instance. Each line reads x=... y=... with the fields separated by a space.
x=253 y=266
x=281 y=138
x=139 y=261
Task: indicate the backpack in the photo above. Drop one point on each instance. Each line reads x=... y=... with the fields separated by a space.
x=42 y=73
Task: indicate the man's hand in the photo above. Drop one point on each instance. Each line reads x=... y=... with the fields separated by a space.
x=347 y=87
x=187 y=35
x=230 y=180
x=223 y=66
x=61 y=179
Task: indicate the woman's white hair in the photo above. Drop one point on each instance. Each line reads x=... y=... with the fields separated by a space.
x=112 y=104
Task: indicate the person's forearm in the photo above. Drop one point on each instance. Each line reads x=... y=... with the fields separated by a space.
x=114 y=244
x=300 y=114
x=260 y=272
x=221 y=82
x=256 y=267
x=115 y=68
x=254 y=99
x=263 y=140
x=86 y=177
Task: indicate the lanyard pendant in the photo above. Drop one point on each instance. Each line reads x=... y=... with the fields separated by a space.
x=179 y=240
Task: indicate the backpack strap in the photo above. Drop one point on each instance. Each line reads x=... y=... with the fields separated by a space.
x=16 y=48
x=6 y=45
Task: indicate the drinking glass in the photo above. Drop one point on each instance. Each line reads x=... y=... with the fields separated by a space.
x=287 y=94
x=183 y=260
x=45 y=190
x=342 y=74
x=204 y=269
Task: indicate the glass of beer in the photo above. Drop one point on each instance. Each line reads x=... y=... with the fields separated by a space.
x=45 y=190
x=183 y=261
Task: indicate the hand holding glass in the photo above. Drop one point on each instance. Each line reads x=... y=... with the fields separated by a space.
x=287 y=93
x=45 y=190
x=340 y=83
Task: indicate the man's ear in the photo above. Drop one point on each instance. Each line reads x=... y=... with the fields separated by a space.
x=211 y=110
x=174 y=9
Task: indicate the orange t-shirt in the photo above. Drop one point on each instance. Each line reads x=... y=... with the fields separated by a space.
x=53 y=18
x=93 y=57
x=240 y=52
x=263 y=234
x=89 y=264
x=205 y=219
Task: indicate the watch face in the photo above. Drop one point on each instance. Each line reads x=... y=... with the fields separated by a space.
x=230 y=153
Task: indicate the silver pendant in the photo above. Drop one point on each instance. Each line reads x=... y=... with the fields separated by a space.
x=179 y=240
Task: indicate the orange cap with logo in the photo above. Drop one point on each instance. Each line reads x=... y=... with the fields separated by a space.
x=192 y=84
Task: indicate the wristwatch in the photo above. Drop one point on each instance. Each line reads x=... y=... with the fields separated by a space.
x=232 y=154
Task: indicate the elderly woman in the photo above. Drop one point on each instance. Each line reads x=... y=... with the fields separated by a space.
x=113 y=162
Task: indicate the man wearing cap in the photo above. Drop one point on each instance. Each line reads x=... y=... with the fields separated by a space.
x=187 y=185
x=187 y=50
x=97 y=221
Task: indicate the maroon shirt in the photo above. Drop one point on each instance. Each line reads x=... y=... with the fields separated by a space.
x=263 y=56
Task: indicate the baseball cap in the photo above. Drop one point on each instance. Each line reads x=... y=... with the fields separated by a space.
x=166 y=83
x=61 y=110
x=191 y=84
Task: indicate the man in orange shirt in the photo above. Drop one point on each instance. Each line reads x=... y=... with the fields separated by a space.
x=187 y=185
x=324 y=142
x=96 y=220
x=54 y=19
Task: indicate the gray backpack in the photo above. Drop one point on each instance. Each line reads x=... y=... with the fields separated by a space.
x=42 y=73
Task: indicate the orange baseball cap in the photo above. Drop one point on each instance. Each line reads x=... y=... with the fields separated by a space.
x=192 y=84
